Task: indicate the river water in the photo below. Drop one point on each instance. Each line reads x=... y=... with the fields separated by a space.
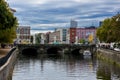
x=64 y=67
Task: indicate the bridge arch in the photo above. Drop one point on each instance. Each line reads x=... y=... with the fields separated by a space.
x=54 y=50
x=76 y=51
x=29 y=51
x=51 y=48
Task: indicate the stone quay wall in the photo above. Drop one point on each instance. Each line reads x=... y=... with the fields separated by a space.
x=109 y=55
x=7 y=65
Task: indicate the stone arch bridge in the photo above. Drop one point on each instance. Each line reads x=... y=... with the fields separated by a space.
x=55 y=48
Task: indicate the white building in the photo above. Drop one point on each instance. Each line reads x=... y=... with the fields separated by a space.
x=54 y=37
x=63 y=35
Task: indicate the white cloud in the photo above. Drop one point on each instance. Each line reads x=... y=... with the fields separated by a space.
x=49 y=14
x=46 y=26
x=28 y=1
x=33 y=32
x=88 y=1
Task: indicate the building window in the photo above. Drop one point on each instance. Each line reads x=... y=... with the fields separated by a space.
x=72 y=33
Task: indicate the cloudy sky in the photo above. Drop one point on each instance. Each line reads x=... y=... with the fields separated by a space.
x=46 y=15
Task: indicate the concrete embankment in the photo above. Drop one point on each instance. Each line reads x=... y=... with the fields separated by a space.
x=109 y=56
x=7 y=65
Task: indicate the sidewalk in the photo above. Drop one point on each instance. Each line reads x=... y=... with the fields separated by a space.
x=4 y=52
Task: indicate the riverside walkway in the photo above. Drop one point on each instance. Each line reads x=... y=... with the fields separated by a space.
x=7 y=62
x=3 y=52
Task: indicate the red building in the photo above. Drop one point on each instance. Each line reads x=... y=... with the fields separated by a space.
x=72 y=32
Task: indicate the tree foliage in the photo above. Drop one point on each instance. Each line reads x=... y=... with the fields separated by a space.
x=90 y=38
x=8 y=23
x=82 y=41
x=110 y=29
x=38 y=38
x=31 y=39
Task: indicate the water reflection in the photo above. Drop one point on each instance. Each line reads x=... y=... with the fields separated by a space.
x=106 y=71
x=103 y=72
x=63 y=67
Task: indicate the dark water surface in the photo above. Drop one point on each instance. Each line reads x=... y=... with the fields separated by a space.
x=64 y=67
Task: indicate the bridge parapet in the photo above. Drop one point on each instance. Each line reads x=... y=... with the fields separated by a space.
x=45 y=47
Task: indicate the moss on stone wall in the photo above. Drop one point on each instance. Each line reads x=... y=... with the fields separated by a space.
x=108 y=57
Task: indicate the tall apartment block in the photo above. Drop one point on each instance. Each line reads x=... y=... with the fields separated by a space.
x=73 y=24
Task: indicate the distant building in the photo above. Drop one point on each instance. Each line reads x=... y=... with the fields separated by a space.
x=100 y=23
x=43 y=38
x=85 y=33
x=23 y=34
x=54 y=37
x=68 y=36
x=47 y=37
x=63 y=34
x=73 y=24
x=72 y=36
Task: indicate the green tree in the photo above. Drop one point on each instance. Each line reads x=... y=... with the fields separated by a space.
x=31 y=39
x=8 y=23
x=110 y=29
x=116 y=27
x=104 y=31
x=82 y=41
x=38 y=38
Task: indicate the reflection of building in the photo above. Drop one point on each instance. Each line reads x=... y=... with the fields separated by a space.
x=23 y=34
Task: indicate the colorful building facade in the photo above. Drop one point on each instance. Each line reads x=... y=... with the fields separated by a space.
x=88 y=34
x=23 y=34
